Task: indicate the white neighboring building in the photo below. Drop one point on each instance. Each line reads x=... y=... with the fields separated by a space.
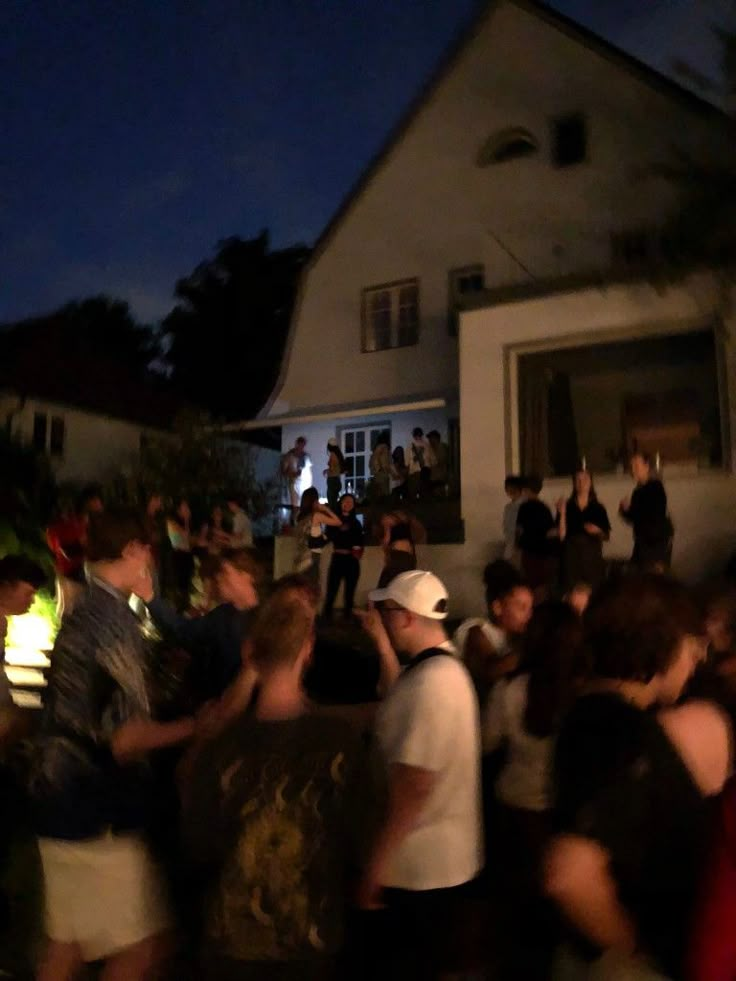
x=83 y=446
x=527 y=158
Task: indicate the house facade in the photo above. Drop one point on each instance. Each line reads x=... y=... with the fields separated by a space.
x=84 y=446
x=530 y=157
x=623 y=348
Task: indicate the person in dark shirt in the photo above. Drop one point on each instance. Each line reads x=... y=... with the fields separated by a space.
x=646 y=512
x=347 y=541
x=535 y=529
x=633 y=772
x=583 y=527
x=277 y=805
x=90 y=780
x=217 y=636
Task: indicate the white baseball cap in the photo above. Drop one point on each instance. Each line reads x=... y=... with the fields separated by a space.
x=421 y=592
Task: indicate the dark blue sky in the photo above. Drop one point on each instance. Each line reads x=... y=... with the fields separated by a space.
x=135 y=135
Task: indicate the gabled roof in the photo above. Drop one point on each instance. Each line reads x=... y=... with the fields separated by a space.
x=645 y=73
x=557 y=21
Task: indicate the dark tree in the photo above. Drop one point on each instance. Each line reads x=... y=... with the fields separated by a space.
x=702 y=230
x=226 y=335
x=97 y=327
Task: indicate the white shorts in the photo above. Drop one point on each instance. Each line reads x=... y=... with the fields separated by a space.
x=104 y=894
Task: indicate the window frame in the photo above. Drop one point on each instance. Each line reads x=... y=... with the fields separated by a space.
x=40 y=433
x=512 y=353
x=394 y=289
x=381 y=426
x=57 y=446
x=453 y=297
x=556 y=123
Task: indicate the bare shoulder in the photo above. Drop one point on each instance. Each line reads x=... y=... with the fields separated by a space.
x=701 y=732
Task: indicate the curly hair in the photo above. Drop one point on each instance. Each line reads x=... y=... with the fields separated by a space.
x=634 y=626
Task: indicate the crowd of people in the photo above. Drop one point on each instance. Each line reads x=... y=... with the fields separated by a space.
x=542 y=793
x=181 y=539
x=419 y=469
x=566 y=548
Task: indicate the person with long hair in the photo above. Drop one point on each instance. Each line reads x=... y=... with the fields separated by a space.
x=311 y=521
x=633 y=774
x=400 y=533
x=347 y=541
x=523 y=716
x=583 y=527
x=334 y=471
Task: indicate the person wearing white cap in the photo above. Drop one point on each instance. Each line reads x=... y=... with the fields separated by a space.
x=429 y=846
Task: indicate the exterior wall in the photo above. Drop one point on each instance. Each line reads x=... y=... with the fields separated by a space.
x=429 y=208
x=701 y=503
x=95 y=446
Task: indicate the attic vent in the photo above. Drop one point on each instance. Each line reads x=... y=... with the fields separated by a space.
x=508 y=144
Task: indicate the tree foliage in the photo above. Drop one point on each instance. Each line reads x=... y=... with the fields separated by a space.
x=227 y=333
x=27 y=496
x=196 y=463
x=702 y=229
x=97 y=327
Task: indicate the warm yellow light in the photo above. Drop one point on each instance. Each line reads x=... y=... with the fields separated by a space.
x=31 y=635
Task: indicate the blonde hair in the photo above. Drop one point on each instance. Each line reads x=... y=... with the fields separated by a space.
x=283 y=625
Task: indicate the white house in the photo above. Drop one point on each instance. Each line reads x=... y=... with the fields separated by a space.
x=530 y=159
x=84 y=445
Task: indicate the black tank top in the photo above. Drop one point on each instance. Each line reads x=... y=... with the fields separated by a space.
x=621 y=782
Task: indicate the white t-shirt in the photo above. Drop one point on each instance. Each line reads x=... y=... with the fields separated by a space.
x=525 y=780
x=430 y=720
x=493 y=634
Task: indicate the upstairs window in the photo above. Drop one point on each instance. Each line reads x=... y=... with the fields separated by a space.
x=658 y=394
x=637 y=249
x=390 y=316
x=48 y=437
x=569 y=140
x=58 y=434
x=40 y=429
x=464 y=282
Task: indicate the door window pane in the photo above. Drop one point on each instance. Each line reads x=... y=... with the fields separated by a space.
x=39 y=430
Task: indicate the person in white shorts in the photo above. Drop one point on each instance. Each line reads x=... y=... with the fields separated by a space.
x=90 y=785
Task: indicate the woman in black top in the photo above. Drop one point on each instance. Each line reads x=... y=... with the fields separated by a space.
x=535 y=531
x=632 y=778
x=646 y=511
x=584 y=526
x=400 y=533
x=347 y=540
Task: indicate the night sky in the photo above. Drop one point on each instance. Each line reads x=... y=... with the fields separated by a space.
x=136 y=135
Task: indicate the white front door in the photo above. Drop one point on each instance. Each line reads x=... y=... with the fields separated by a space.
x=357 y=445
